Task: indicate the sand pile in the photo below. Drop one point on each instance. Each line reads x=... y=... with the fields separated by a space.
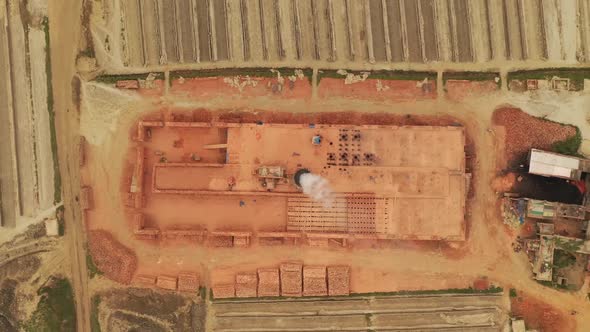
x=116 y=261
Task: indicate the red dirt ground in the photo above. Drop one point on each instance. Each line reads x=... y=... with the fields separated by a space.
x=396 y=91
x=524 y=132
x=460 y=89
x=539 y=315
x=209 y=87
x=157 y=91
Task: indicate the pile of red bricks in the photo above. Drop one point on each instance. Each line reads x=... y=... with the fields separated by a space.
x=86 y=198
x=112 y=258
x=338 y=280
x=246 y=284
x=184 y=282
x=291 y=279
x=268 y=282
x=314 y=281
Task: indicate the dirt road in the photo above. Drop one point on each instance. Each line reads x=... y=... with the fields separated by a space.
x=64 y=26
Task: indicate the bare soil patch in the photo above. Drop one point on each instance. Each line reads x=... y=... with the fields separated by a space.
x=374 y=89
x=540 y=315
x=460 y=89
x=147 y=310
x=208 y=87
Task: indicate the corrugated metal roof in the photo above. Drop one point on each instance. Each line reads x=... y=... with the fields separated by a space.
x=551 y=164
x=554 y=159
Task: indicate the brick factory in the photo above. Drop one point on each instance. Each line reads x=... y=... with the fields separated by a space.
x=388 y=182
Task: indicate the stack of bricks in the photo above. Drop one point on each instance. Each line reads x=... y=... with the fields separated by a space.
x=241 y=241
x=291 y=279
x=167 y=282
x=314 y=281
x=223 y=291
x=220 y=241
x=246 y=284
x=145 y=280
x=268 y=282
x=196 y=235
x=188 y=282
x=86 y=198
x=338 y=280
x=140 y=231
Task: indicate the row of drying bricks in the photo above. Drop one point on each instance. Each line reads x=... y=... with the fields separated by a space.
x=289 y=280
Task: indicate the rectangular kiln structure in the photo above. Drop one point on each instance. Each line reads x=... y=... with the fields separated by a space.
x=389 y=182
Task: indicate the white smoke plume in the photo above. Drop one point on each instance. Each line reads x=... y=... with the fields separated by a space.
x=317 y=188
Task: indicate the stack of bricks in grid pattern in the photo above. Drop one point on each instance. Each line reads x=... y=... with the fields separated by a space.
x=291 y=279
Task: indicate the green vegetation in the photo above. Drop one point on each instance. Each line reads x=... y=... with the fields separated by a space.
x=56 y=310
x=94 y=322
x=470 y=290
x=89 y=53
x=92 y=268
x=252 y=72
x=61 y=223
x=563 y=259
x=203 y=293
x=576 y=75
x=472 y=76
x=112 y=79
x=513 y=292
x=400 y=75
x=50 y=105
x=569 y=146
x=552 y=284
x=570 y=246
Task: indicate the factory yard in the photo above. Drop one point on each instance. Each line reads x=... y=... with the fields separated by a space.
x=379 y=190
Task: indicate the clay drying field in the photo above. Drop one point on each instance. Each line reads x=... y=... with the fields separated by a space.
x=481 y=313
x=154 y=32
x=27 y=169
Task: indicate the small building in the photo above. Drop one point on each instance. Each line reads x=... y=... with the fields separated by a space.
x=543 y=261
x=518 y=325
x=557 y=165
x=546 y=228
x=552 y=210
x=51 y=227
